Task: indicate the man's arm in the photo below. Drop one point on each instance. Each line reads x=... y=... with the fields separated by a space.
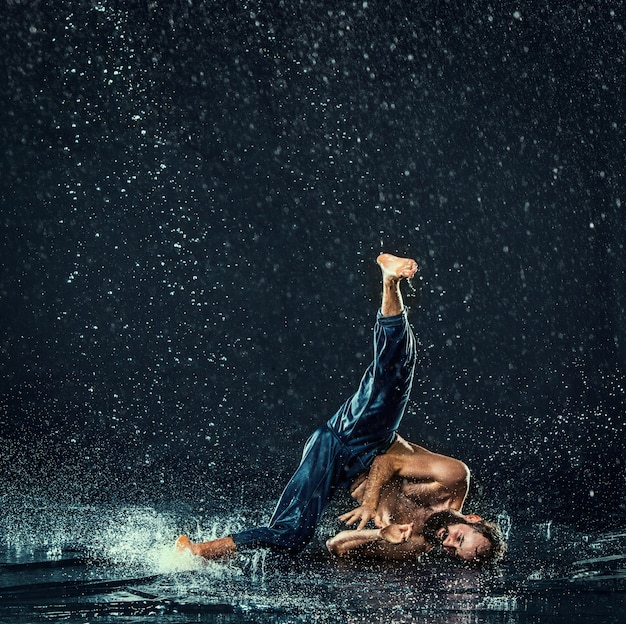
x=395 y=541
x=435 y=473
x=382 y=470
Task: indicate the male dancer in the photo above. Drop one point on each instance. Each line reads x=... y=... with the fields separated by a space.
x=413 y=496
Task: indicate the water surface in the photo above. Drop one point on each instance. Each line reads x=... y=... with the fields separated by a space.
x=117 y=564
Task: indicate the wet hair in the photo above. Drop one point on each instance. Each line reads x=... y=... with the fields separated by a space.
x=490 y=530
x=494 y=534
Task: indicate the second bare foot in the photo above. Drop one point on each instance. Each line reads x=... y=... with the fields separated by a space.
x=213 y=549
x=185 y=544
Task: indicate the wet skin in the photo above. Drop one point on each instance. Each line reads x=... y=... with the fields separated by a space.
x=462 y=541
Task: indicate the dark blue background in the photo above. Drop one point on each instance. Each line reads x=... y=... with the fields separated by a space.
x=193 y=196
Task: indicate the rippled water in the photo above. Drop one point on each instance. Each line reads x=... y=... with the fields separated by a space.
x=117 y=564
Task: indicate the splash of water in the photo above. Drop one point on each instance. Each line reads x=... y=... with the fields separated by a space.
x=135 y=540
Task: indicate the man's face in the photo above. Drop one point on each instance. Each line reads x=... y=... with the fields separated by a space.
x=462 y=541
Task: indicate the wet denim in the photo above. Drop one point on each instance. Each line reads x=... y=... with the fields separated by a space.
x=363 y=427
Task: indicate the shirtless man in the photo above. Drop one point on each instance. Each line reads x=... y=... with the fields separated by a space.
x=413 y=496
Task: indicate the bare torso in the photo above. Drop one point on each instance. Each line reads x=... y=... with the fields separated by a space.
x=407 y=500
x=401 y=490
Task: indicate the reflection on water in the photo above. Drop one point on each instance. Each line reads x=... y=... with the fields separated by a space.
x=118 y=565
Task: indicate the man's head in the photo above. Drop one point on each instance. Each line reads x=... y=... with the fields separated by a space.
x=466 y=537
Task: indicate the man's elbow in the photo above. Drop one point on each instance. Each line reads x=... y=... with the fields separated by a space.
x=464 y=473
x=455 y=472
x=336 y=546
x=333 y=547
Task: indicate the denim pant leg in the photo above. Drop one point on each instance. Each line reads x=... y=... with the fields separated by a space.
x=364 y=427
x=367 y=422
x=303 y=501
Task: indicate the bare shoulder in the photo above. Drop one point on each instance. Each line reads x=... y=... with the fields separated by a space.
x=431 y=466
x=456 y=470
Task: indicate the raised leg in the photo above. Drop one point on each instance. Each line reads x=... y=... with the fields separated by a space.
x=394 y=270
x=367 y=422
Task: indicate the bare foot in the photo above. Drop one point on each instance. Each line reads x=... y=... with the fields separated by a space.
x=185 y=544
x=213 y=549
x=398 y=268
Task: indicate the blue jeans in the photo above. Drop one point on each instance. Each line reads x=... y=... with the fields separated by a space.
x=363 y=427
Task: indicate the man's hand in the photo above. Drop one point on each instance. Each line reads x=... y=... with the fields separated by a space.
x=395 y=541
x=362 y=515
x=397 y=533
